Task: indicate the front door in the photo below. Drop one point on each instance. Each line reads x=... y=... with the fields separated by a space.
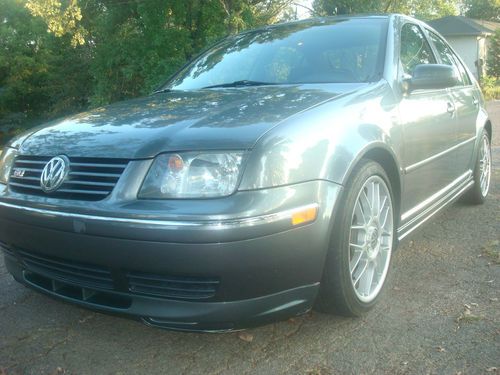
x=429 y=130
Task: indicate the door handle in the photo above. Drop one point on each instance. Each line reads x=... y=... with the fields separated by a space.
x=451 y=108
x=475 y=101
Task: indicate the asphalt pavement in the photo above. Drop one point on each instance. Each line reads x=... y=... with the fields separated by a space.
x=440 y=315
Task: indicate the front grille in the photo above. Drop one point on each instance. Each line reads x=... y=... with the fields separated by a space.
x=172 y=286
x=89 y=179
x=83 y=275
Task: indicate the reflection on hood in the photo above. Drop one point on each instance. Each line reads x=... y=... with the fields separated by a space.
x=179 y=120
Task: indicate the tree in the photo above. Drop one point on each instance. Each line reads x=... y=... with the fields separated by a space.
x=138 y=44
x=339 y=7
x=426 y=10
x=61 y=18
x=493 y=63
x=39 y=73
x=482 y=9
x=62 y=56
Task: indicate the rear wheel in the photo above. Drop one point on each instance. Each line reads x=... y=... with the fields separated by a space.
x=482 y=172
x=361 y=244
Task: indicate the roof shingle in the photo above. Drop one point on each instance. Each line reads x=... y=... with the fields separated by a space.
x=462 y=26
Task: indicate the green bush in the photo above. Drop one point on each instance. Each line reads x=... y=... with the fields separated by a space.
x=493 y=62
x=491 y=87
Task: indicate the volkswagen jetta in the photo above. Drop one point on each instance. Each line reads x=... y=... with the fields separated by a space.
x=275 y=172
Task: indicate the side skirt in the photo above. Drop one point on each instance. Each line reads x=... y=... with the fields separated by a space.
x=451 y=196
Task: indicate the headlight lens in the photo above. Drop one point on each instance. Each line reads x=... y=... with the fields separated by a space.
x=6 y=161
x=192 y=175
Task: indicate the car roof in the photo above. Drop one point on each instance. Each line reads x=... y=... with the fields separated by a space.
x=327 y=19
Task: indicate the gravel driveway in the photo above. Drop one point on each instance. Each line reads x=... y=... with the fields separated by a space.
x=440 y=314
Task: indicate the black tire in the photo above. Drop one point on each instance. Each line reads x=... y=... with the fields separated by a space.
x=476 y=195
x=337 y=293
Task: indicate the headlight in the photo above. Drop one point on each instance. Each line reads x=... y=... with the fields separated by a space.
x=192 y=175
x=6 y=161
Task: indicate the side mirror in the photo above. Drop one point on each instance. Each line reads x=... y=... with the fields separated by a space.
x=431 y=77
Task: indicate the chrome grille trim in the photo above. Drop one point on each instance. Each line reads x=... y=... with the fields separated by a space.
x=89 y=178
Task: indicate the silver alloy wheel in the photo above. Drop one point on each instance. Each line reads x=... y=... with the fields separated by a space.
x=371 y=237
x=485 y=166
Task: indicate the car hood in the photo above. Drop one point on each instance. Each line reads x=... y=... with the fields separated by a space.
x=177 y=121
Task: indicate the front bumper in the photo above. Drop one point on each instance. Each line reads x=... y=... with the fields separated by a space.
x=237 y=271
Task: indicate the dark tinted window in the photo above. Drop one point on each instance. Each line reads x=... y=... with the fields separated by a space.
x=449 y=58
x=344 y=50
x=414 y=48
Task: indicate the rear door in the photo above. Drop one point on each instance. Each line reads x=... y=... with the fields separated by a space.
x=429 y=126
x=466 y=100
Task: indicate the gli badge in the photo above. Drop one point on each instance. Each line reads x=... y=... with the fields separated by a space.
x=19 y=173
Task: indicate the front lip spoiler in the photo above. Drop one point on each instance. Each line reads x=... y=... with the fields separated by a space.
x=172 y=224
x=186 y=316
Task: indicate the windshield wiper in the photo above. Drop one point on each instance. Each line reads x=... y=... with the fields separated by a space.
x=161 y=91
x=241 y=83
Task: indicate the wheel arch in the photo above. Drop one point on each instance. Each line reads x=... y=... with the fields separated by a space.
x=488 y=128
x=380 y=153
x=483 y=123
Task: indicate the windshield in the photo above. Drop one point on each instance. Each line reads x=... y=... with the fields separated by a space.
x=330 y=51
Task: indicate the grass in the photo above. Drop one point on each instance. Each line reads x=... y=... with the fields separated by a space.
x=469 y=318
x=492 y=251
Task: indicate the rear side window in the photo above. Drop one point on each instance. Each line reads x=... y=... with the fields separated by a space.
x=449 y=58
x=415 y=49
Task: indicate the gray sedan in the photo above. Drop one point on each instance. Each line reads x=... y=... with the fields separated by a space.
x=275 y=172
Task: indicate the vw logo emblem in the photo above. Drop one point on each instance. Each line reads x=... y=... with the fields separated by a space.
x=54 y=173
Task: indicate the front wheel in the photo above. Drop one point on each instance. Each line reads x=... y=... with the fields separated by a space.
x=361 y=243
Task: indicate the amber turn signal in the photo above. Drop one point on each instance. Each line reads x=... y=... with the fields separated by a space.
x=175 y=163
x=305 y=216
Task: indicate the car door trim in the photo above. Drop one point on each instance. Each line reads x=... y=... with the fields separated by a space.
x=434 y=197
x=421 y=163
x=406 y=229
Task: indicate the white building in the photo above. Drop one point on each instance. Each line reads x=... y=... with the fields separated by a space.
x=469 y=38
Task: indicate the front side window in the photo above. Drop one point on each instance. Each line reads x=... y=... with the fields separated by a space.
x=449 y=58
x=415 y=49
x=343 y=50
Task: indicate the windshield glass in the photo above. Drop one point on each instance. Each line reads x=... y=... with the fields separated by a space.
x=330 y=51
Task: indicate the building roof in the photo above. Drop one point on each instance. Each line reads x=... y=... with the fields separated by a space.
x=463 y=26
x=493 y=26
